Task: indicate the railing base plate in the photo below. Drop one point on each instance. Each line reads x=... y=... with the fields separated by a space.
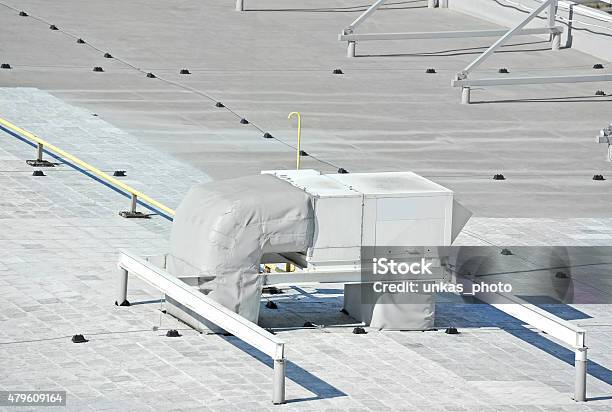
x=134 y=215
x=41 y=163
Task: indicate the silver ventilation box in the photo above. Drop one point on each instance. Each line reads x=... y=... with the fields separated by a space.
x=373 y=209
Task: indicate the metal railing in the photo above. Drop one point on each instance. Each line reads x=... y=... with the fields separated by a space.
x=551 y=7
x=207 y=308
x=349 y=35
x=560 y=329
x=44 y=146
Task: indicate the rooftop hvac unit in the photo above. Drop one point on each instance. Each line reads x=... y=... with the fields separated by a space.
x=373 y=209
x=321 y=224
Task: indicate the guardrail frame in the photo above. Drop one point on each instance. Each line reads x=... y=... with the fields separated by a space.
x=349 y=35
x=461 y=79
x=43 y=146
x=560 y=329
x=209 y=309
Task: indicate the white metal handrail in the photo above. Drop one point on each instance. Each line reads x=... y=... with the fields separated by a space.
x=560 y=329
x=349 y=35
x=532 y=80
x=551 y=5
x=209 y=309
x=461 y=79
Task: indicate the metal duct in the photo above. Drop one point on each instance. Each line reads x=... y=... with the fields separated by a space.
x=222 y=229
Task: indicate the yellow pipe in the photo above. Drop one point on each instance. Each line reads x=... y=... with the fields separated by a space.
x=87 y=166
x=299 y=117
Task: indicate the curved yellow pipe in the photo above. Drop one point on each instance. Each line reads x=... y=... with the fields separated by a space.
x=299 y=136
x=90 y=168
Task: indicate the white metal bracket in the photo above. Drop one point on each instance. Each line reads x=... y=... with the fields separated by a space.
x=349 y=35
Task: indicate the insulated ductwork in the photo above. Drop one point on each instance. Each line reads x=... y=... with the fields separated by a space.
x=222 y=229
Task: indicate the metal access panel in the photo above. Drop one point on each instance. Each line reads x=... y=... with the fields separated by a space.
x=402 y=209
x=371 y=209
x=338 y=216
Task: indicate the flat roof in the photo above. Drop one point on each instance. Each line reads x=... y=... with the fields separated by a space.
x=384 y=113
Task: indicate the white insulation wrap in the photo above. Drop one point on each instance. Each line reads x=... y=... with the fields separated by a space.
x=221 y=230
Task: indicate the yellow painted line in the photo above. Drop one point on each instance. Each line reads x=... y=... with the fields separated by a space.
x=97 y=172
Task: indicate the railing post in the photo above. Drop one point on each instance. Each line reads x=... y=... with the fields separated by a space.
x=132 y=213
x=239 y=5
x=278 y=390
x=555 y=38
x=134 y=203
x=581 y=369
x=39 y=161
x=350 y=50
x=465 y=95
x=122 y=282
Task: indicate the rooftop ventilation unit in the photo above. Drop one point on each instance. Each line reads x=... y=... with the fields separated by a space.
x=320 y=224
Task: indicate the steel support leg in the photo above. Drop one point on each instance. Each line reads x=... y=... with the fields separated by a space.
x=555 y=41
x=122 y=281
x=443 y=4
x=555 y=38
x=134 y=203
x=239 y=5
x=432 y=3
x=278 y=391
x=350 y=50
x=465 y=95
x=581 y=369
x=39 y=156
